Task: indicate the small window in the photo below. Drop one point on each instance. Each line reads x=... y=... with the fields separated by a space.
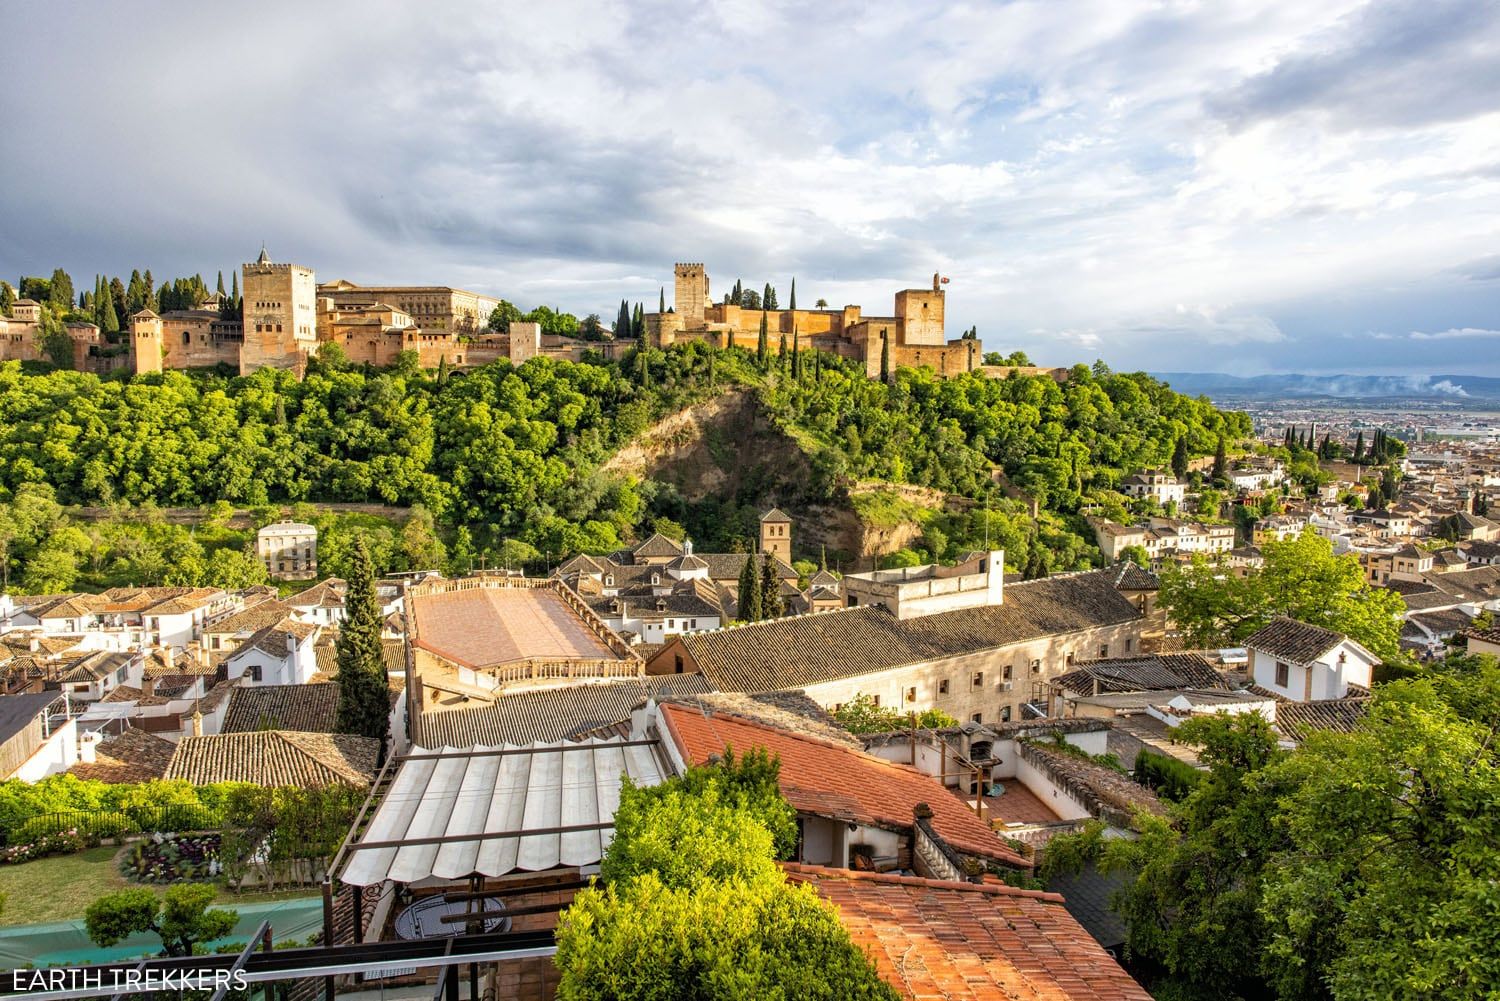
x=1005 y=714
x=876 y=700
x=911 y=695
x=1129 y=644
x=1006 y=675
x=1036 y=667
x=943 y=687
x=977 y=718
x=978 y=679
x=1104 y=651
x=677 y=663
x=1283 y=673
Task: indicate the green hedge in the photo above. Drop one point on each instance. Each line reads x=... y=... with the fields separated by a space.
x=1167 y=777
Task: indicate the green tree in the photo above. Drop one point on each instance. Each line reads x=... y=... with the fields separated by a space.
x=503 y=315
x=792 y=297
x=7 y=298
x=693 y=905
x=1180 y=458
x=749 y=596
x=771 y=605
x=1220 y=472
x=420 y=545
x=1387 y=887
x=1192 y=880
x=364 y=700
x=234 y=569
x=1301 y=578
x=821 y=304
x=60 y=294
x=53 y=338
x=763 y=346
x=1136 y=555
x=182 y=918
x=885 y=358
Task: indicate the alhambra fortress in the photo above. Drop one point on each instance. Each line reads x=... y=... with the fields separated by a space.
x=287 y=317
x=913 y=336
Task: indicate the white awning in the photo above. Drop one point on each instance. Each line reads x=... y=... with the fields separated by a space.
x=448 y=798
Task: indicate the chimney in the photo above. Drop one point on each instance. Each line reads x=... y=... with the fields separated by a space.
x=169 y=658
x=87 y=748
x=687 y=547
x=197 y=724
x=148 y=686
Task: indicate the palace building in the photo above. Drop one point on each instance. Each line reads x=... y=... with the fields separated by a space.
x=912 y=336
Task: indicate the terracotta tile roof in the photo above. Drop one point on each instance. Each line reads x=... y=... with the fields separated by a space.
x=793 y=712
x=832 y=780
x=133 y=756
x=325 y=594
x=1295 y=641
x=546 y=714
x=803 y=650
x=658 y=545
x=252 y=619
x=970 y=941
x=130 y=693
x=488 y=626
x=1156 y=672
x=1105 y=792
x=1297 y=719
x=1486 y=635
x=776 y=514
x=274 y=758
x=305 y=708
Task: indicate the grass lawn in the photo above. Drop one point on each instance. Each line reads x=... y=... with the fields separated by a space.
x=60 y=887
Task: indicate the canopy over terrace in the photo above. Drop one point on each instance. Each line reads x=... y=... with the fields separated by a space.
x=454 y=813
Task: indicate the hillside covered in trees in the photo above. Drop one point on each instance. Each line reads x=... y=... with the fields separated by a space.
x=511 y=461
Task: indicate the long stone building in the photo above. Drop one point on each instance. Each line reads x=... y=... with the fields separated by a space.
x=961 y=644
x=287 y=317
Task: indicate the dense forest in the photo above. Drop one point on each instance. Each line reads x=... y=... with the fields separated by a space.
x=507 y=461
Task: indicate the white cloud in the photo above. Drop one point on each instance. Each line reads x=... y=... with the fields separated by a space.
x=1454 y=333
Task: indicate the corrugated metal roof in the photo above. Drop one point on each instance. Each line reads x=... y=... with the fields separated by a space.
x=458 y=794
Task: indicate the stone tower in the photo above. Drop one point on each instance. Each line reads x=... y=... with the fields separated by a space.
x=146 y=342
x=280 y=315
x=776 y=534
x=919 y=315
x=690 y=294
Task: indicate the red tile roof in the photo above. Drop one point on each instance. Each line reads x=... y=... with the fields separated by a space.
x=829 y=780
x=935 y=939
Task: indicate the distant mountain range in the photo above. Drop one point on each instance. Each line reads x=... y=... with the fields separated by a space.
x=1451 y=388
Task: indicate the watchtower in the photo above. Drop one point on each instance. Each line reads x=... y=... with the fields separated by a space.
x=690 y=294
x=146 y=342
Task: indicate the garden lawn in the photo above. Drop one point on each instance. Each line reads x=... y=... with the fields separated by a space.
x=60 y=887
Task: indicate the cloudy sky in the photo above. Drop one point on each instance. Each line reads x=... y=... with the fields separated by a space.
x=1238 y=187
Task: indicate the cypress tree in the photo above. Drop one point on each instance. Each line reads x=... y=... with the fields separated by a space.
x=638 y=322
x=7 y=298
x=796 y=353
x=1221 y=462
x=1180 y=458
x=792 y=299
x=234 y=289
x=61 y=297
x=768 y=297
x=770 y=589
x=1359 y=447
x=220 y=287
x=749 y=597
x=738 y=295
x=662 y=305
x=781 y=353
x=763 y=347
x=622 y=321
x=109 y=320
x=146 y=284
x=885 y=358
x=364 y=705
x=1323 y=447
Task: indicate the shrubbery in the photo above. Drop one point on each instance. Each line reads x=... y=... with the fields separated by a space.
x=1167 y=777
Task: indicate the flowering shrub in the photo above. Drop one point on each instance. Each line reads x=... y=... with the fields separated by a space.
x=173 y=858
x=57 y=843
